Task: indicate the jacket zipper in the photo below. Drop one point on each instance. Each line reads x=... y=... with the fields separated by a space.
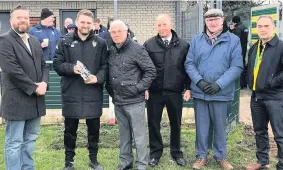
x=82 y=97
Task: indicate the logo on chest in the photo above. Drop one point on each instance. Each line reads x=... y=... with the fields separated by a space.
x=94 y=43
x=73 y=43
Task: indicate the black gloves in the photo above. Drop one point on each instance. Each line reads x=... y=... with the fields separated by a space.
x=212 y=88
x=202 y=84
x=209 y=88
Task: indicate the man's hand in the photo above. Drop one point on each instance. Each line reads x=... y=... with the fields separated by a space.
x=92 y=79
x=41 y=88
x=77 y=69
x=44 y=44
x=146 y=94
x=187 y=95
x=202 y=84
x=212 y=88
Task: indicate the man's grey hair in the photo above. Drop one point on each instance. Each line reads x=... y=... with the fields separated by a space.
x=214 y=13
x=119 y=22
x=164 y=16
x=70 y=19
x=266 y=16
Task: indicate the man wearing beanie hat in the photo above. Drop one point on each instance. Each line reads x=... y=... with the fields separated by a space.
x=213 y=63
x=239 y=29
x=46 y=33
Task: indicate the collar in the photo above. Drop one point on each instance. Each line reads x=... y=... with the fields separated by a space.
x=237 y=24
x=125 y=44
x=273 y=41
x=168 y=38
x=25 y=35
x=40 y=26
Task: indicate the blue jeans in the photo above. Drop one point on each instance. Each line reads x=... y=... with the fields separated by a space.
x=20 y=142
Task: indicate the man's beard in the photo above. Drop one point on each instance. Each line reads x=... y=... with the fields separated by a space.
x=85 y=33
x=21 y=30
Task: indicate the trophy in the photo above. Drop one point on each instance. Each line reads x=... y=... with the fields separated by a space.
x=85 y=73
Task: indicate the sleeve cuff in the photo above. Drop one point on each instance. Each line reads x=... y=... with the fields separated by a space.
x=99 y=79
x=31 y=90
x=197 y=80
x=219 y=84
x=188 y=87
x=140 y=87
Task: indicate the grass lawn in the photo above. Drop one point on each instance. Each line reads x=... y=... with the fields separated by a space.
x=49 y=154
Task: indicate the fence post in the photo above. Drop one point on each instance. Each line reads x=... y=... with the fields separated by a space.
x=178 y=17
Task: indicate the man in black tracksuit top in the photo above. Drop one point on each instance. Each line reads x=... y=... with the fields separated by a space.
x=242 y=32
x=265 y=78
x=168 y=53
x=81 y=99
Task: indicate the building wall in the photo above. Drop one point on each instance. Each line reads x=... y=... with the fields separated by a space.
x=140 y=15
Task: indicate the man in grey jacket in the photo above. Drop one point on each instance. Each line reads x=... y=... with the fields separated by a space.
x=131 y=72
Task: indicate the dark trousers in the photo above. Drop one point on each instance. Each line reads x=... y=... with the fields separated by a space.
x=243 y=81
x=155 y=105
x=70 y=136
x=264 y=111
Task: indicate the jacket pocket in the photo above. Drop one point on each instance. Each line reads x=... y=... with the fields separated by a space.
x=272 y=83
x=129 y=89
x=269 y=81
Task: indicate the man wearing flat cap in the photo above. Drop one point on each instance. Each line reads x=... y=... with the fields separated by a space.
x=213 y=63
x=46 y=33
x=71 y=28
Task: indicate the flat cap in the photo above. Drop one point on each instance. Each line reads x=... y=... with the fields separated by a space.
x=214 y=13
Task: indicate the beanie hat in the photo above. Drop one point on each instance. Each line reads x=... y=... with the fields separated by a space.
x=236 y=19
x=45 y=13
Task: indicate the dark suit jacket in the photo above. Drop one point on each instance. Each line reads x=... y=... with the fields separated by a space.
x=20 y=70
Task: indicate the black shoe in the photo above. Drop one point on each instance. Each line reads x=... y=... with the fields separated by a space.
x=153 y=162
x=69 y=166
x=95 y=166
x=179 y=161
x=125 y=167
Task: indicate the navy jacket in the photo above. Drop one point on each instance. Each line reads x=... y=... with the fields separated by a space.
x=42 y=32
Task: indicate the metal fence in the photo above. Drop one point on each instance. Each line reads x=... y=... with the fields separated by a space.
x=191 y=21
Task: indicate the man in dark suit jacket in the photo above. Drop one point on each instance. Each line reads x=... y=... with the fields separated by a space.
x=25 y=79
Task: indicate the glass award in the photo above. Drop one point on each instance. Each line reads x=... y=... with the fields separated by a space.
x=85 y=73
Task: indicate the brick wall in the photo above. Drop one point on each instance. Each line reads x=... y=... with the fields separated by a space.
x=139 y=14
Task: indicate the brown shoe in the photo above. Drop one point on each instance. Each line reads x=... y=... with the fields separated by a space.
x=224 y=164
x=200 y=163
x=256 y=166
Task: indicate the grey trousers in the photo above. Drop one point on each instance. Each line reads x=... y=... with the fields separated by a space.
x=132 y=125
x=215 y=113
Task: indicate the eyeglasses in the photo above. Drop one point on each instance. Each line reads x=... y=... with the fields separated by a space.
x=117 y=32
x=212 y=19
